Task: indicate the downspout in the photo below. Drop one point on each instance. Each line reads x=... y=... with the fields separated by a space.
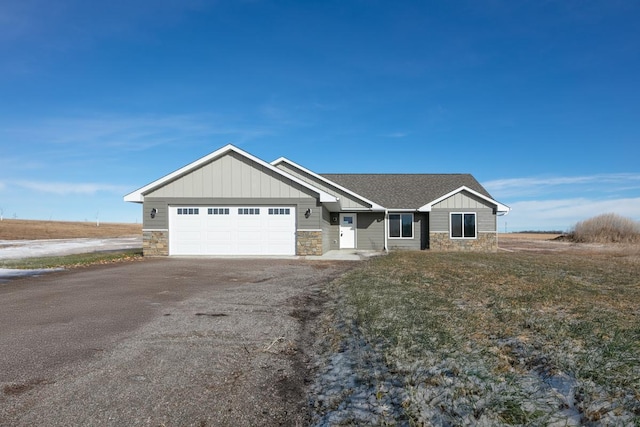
x=386 y=230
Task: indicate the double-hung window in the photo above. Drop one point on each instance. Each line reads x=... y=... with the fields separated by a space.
x=401 y=226
x=463 y=225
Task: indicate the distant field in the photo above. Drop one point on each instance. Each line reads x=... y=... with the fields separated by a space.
x=18 y=229
x=528 y=236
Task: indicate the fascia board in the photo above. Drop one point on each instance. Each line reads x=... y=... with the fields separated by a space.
x=374 y=206
x=499 y=206
x=138 y=195
x=362 y=210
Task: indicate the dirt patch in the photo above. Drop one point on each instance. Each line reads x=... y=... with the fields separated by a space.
x=19 y=229
x=20 y=388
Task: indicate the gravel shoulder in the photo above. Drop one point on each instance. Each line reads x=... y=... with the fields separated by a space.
x=193 y=342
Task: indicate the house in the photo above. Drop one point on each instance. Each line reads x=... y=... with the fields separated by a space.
x=233 y=203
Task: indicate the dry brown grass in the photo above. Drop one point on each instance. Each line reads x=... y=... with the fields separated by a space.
x=19 y=229
x=494 y=338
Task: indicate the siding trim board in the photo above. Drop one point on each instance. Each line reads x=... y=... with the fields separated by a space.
x=230 y=177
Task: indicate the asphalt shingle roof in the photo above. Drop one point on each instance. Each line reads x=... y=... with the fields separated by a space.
x=405 y=191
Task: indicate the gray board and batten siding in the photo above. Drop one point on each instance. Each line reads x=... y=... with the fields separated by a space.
x=463 y=202
x=329 y=232
x=231 y=180
x=231 y=175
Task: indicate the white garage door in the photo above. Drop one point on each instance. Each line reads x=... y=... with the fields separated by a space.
x=232 y=230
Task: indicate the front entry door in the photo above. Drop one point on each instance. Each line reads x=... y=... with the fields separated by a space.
x=347 y=231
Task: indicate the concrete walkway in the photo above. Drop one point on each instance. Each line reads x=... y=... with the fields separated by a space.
x=346 y=255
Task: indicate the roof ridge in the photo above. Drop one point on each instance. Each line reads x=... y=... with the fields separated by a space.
x=394 y=173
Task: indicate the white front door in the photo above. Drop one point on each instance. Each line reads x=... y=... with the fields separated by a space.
x=348 y=224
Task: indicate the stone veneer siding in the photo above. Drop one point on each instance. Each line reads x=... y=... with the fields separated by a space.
x=309 y=243
x=486 y=242
x=155 y=243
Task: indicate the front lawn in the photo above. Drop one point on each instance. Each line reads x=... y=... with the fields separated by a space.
x=507 y=338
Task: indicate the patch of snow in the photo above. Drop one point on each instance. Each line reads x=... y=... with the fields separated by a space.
x=356 y=384
x=12 y=273
x=18 y=249
x=353 y=386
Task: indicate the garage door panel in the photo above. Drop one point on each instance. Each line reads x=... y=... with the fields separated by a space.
x=218 y=236
x=241 y=230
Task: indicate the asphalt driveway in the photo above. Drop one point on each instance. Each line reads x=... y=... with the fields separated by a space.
x=162 y=342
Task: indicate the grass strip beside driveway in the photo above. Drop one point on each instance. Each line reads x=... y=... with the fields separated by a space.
x=507 y=339
x=73 y=261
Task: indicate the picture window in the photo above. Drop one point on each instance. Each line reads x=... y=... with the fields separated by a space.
x=463 y=225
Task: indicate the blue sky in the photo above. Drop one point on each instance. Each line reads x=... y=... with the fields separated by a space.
x=539 y=100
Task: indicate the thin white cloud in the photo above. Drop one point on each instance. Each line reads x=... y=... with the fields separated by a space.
x=129 y=133
x=563 y=214
x=559 y=202
x=397 y=135
x=65 y=188
x=531 y=186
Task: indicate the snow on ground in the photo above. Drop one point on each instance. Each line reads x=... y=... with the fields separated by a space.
x=17 y=249
x=12 y=273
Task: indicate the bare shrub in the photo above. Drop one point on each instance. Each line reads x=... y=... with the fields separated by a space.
x=607 y=228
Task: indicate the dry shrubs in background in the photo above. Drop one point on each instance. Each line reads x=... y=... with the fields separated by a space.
x=607 y=228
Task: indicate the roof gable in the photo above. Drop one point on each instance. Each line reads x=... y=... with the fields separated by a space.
x=357 y=200
x=138 y=195
x=499 y=206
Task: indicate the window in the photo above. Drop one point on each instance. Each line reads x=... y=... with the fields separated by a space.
x=188 y=211
x=248 y=211
x=218 y=211
x=279 y=211
x=401 y=226
x=463 y=225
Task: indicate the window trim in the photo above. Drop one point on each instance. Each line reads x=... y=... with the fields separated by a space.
x=401 y=237
x=463 y=237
